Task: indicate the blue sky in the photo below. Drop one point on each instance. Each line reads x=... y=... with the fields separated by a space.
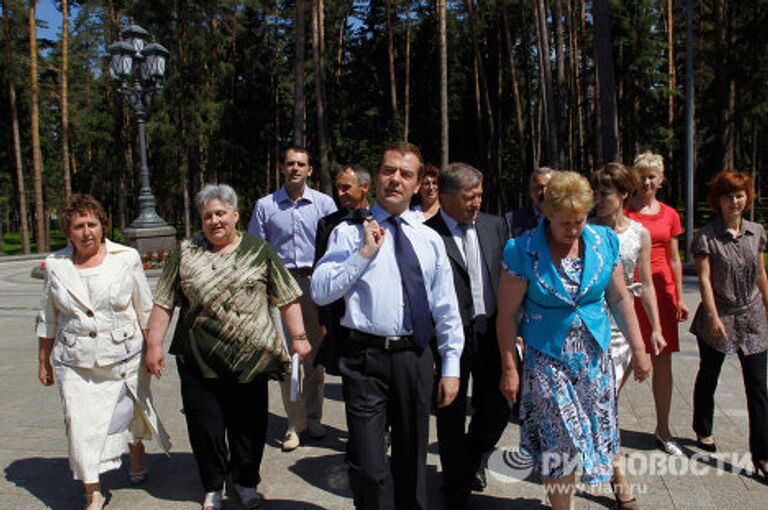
x=51 y=16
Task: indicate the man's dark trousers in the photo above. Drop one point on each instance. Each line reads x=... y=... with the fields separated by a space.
x=383 y=388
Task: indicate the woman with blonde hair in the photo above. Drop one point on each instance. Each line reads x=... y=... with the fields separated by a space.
x=563 y=276
x=663 y=224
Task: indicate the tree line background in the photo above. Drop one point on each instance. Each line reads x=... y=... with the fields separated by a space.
x=506 y=85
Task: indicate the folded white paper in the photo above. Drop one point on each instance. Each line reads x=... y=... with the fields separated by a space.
x=295 y=376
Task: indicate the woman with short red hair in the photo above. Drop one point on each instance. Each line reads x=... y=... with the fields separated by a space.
x=731 y=318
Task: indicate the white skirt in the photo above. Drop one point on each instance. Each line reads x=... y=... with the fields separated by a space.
x=621 y=354
x=104 y=409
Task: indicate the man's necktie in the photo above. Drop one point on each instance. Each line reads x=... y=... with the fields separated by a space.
x=474 y=267
x=416 y=314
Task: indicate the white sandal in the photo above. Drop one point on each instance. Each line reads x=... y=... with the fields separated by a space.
x=213 y=501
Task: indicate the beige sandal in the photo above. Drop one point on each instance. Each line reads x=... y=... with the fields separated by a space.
x=94 y=501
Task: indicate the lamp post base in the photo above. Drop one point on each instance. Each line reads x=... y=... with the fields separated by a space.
x=147 y=240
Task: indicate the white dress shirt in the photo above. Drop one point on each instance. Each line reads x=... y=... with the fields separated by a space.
x=371 y=287
x=488 y=307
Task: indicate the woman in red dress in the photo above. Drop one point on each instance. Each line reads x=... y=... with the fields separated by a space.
x=663 y=223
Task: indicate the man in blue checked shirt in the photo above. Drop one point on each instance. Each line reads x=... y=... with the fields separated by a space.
x=397 y=284
x=287 y=219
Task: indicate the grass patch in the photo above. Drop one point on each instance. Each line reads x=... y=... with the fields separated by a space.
x=12 y=242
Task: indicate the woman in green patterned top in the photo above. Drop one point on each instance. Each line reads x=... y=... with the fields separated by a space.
x=225 y=344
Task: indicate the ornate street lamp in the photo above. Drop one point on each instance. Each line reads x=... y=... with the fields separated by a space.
x=139 y=69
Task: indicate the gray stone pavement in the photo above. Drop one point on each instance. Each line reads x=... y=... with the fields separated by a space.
x=33 y=450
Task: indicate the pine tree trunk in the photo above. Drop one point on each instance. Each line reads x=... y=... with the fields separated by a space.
x=395 y=119
x=671 y=69
x=407 y=91
x=755 y=173
x=300 y=100
x=443 y=44
x=498 y=191
x=274 y=76
x=120 y=168
x=729 y=162
x=318 y=58
x=65 y=100
x=578 y=98
x=559 y=92
x=22 y=195
x=542 y=31
x=609 y=124
x=340 y=41
x=487 y=109
x=184 y=147
x=519 y=122
x=37 y=157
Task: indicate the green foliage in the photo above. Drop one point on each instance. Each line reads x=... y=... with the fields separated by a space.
x=226 y=110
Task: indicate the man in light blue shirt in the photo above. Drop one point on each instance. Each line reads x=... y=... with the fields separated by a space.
x=386 y=365
x=287 y=219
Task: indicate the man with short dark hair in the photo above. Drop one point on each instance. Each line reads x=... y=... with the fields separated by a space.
x=474 y=242
x=528 y=217
x=287 y=219
x=396 y=281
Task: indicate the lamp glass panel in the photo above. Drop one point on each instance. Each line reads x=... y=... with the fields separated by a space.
x=137 y=42
x=114 y=67
x=158 y=66
x=126 y=66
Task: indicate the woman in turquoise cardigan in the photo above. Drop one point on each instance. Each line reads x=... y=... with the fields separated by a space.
x=559 y=282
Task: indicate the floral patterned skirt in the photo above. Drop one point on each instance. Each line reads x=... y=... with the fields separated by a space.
x=569 y=411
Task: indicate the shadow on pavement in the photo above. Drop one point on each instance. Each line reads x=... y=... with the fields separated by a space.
x=600 y=499
x=480 y=501
x=287 y=504
x=172 y=478
x=637 y=440
x=333 y=391
x=328 y=473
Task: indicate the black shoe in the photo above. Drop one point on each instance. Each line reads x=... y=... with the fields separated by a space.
x=707 y=447
x=761 y=469
x=479 y=482
x=455 y=499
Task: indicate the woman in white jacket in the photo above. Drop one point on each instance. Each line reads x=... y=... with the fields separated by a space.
x=91 y=328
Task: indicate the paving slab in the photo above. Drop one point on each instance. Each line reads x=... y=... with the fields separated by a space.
x=33 y=450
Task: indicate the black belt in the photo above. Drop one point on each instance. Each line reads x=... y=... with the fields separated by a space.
x=387 y=343
x=300 y=271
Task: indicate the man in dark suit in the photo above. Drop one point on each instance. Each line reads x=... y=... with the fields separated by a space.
x=474 y=243
x=528 y=217
x=352 y=185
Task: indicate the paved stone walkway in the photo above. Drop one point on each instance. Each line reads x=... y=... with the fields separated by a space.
x=33 y=450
